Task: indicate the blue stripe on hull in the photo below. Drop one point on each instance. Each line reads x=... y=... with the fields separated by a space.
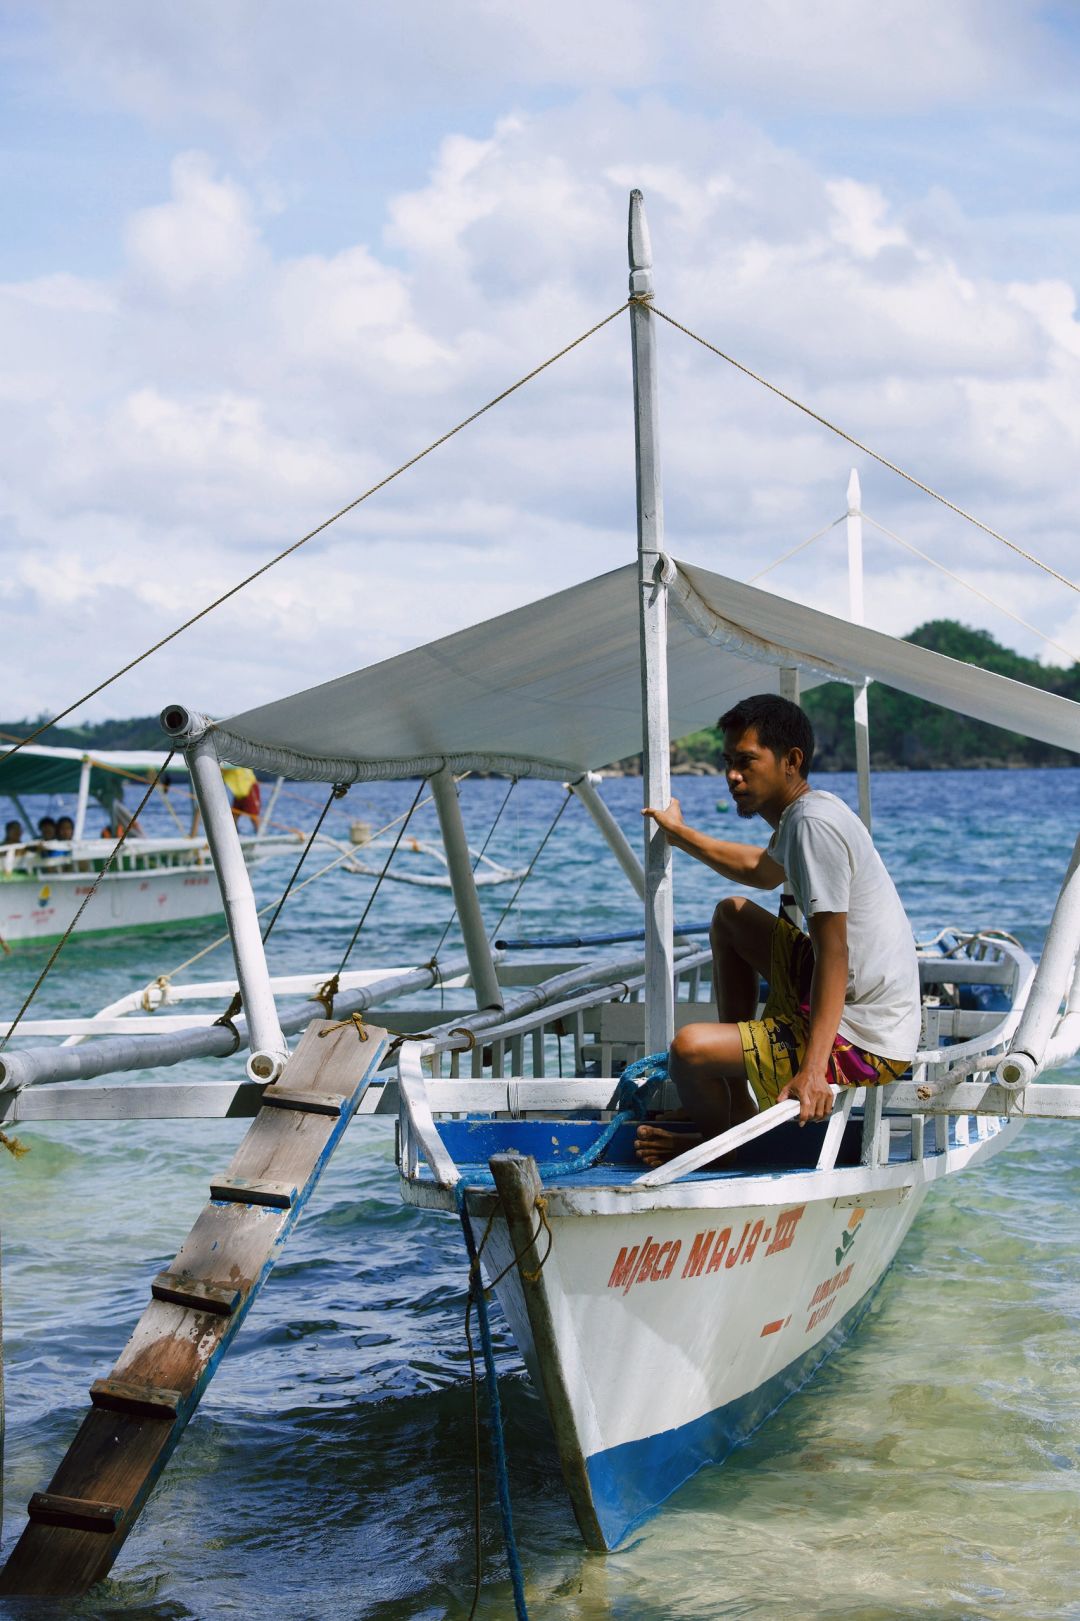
x=630 y=1482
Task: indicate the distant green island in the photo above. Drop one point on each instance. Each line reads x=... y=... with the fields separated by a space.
x=906 y=734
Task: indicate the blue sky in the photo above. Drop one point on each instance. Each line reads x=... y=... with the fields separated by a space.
x=258 y=253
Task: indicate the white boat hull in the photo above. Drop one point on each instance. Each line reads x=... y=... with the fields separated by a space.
x=662 y=1338
x=36 y=910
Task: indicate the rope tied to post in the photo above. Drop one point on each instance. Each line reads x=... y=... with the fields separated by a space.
x=354 y=1019
x=229 y=1015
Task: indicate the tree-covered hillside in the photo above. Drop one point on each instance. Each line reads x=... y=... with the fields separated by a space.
x=906 y=733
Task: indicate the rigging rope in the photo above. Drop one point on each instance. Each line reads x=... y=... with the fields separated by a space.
x=476 y=863
x=319 y=528
x=795 y=549
x=329 y=990
x=1000 y=606
x=477 y=1293
x=842 y=433
x=337 y=791
x=87 y=898
x=528 y=871
x=223 y=939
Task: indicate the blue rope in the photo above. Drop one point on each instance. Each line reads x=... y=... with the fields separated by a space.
x=498 y=1441
x=638 y=1083
x=631 y=1099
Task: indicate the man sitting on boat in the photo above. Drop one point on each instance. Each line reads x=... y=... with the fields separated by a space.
x=843 y=999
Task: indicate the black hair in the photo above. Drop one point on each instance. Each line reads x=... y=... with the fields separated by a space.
x=780 y=725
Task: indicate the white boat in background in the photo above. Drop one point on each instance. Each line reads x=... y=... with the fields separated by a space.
x=152 y=883
x=156 y=883
x=662 y=1313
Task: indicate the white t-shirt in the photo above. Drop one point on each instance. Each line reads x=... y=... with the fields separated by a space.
x=832 y=866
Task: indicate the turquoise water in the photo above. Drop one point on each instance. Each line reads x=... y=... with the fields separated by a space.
x=931 y=1468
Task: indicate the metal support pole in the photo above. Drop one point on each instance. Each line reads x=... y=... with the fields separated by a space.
x=485 y=980
x=586 y=790
x=858 y=617
x=1053 y=981
x=789 y=683
x=269 y=1049
x=264 y=819
x=82 y=801
x=656 y=761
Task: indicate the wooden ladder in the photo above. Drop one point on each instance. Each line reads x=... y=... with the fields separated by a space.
x=77 y=1527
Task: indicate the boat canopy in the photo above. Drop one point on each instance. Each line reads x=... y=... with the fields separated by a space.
x=37 y=769
x=553 y=689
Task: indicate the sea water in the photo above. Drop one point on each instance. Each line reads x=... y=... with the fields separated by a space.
x=930 y=1468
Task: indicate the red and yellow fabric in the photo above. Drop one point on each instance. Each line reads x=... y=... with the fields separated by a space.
x=773 y=1046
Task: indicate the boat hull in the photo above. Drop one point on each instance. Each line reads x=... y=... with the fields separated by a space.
x=662 y=1338
x=38 y=910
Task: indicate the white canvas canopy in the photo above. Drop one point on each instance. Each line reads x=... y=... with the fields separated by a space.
x=553 y=689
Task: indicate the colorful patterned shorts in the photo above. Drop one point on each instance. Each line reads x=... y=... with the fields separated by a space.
x=773 y=1046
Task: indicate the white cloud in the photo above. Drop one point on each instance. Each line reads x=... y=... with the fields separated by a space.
x=164 y=430
x=262 y=69
x=204 y=237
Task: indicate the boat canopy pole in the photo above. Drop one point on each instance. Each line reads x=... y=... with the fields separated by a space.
x=264 y=819
x=83 y=799
x=652 y=586
x=1054 y=979
x=586 y=790
x=269 y=1049
x=858 y=617
x=466 y=900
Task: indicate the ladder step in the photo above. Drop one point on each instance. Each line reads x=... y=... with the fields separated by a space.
x=150 y=1401
x=282 y=1097
x=180 y=1290
x=235 y=1190
x=77 y=1513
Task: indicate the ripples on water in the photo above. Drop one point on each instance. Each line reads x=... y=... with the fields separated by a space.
x=929 y=1469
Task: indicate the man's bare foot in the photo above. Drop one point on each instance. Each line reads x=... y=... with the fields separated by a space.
x=655 y=1145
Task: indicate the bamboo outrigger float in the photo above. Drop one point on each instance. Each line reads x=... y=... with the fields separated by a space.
x=664 y=1312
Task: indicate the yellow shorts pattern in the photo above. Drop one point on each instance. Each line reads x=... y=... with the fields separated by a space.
x=773 y=1046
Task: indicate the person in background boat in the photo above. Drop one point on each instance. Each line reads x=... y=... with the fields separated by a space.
x=65 y=828
x=843 y=1002
x=46 y=828
x=13 y=833
x=247 y=796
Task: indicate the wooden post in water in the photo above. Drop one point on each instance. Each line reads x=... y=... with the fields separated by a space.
x=656 y=760
x=858 y=617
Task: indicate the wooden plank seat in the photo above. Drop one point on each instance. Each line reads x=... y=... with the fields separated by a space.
x=138 y=1413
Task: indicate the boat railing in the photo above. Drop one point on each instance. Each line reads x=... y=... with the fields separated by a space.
x=509 y=1047
x=57 y=858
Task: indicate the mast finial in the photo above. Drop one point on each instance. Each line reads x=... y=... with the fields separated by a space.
x=640 y=247
x=854 y=491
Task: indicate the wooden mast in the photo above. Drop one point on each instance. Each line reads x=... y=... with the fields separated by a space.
x=656 y=761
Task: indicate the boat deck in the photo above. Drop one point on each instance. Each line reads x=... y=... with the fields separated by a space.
x=555 y=1144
